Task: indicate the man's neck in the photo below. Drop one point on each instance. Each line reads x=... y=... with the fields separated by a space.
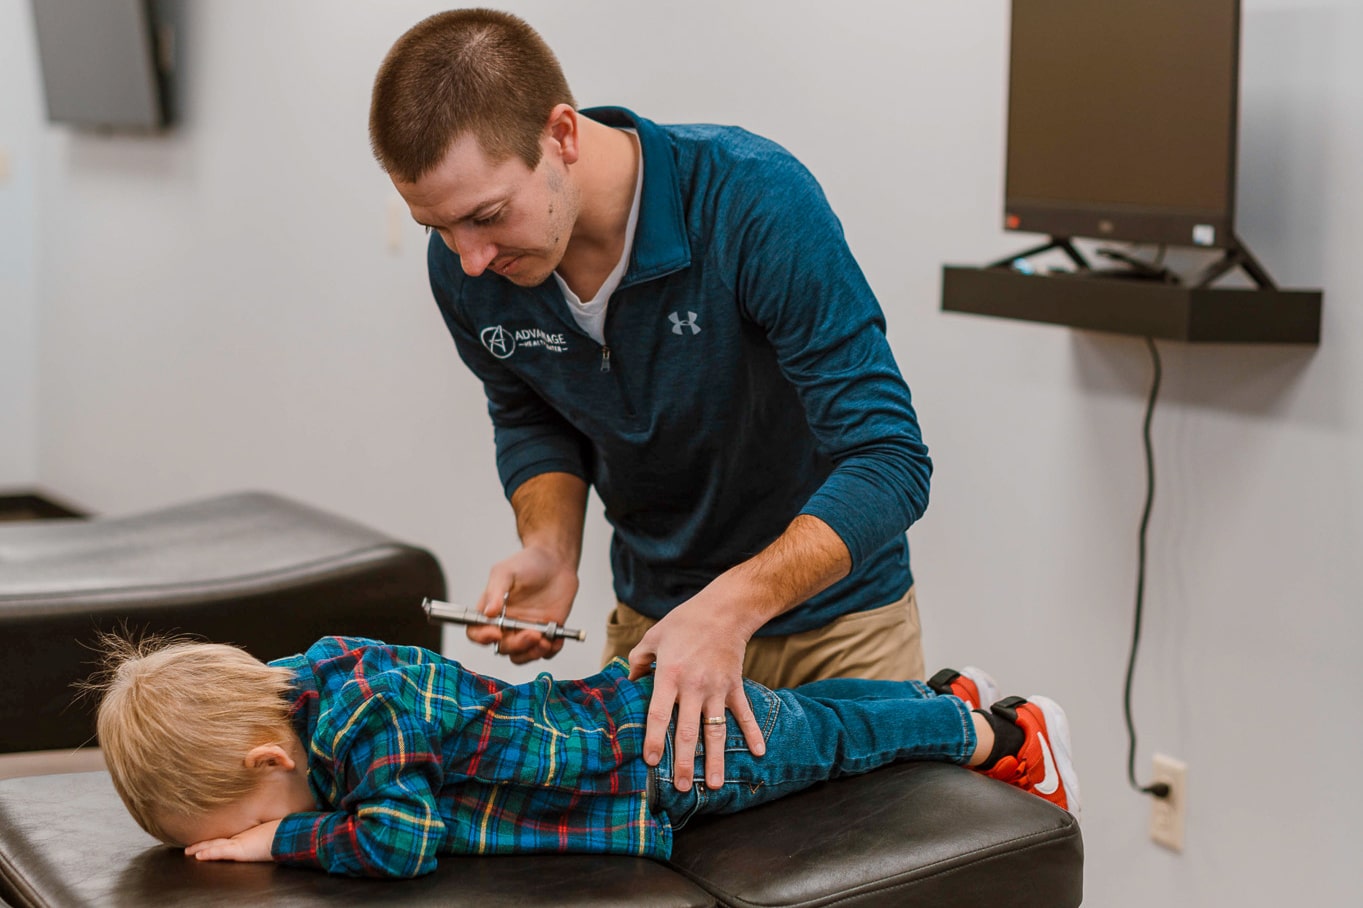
x=608 y=171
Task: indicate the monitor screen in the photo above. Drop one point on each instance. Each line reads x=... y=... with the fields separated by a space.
x=1122 y=119
x=100 y=65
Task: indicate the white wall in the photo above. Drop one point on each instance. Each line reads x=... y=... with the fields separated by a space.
x=20 y=113
x=220 y=311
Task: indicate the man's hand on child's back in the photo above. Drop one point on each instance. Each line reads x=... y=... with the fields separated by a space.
x=250 y=845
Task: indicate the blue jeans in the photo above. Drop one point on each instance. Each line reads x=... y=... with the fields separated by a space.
x=819 y=731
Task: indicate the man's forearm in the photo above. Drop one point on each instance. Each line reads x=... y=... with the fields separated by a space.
x=551 y=509
x=806 y=559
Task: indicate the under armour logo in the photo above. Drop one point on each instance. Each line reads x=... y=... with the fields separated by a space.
x=678 y=322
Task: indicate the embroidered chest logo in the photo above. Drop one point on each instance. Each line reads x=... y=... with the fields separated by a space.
x=501 y=343
x=678 y=323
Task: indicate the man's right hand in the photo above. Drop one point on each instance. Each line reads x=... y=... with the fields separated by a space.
x=535 y=585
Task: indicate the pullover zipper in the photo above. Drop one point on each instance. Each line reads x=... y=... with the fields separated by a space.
x=624 y=392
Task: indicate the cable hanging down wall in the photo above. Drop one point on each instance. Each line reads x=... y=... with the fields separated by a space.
x=1159 y=789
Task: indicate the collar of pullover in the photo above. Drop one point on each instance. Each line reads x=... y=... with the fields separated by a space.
x=661 y=245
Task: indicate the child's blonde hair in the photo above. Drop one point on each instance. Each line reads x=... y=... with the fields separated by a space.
x=177 y=718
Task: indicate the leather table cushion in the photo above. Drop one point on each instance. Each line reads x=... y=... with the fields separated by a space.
x=66 y=841
x=912 y=835
x=253 y=569
x=927 y=834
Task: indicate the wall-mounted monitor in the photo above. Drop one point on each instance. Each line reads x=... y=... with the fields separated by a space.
x=106 y=64
x=1122 y=119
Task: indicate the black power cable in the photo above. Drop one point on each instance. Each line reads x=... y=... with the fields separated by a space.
x=1159 y=789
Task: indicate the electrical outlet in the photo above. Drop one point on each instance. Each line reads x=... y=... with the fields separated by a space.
x=1167 y=814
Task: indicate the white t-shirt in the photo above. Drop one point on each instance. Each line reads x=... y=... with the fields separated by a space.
x=591 y=314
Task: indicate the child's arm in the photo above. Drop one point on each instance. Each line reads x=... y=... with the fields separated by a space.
x=387 y=824
x=381 y=838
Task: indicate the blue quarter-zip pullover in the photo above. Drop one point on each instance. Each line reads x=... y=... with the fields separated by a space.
x=745 y=379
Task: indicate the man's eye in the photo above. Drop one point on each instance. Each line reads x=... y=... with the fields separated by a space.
x=490 y=219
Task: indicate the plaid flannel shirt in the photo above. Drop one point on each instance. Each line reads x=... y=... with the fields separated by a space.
x=411 y=755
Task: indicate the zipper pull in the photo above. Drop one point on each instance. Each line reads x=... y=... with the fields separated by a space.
x=605 y=358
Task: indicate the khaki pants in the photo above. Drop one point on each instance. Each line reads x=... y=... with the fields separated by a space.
x=885 y=643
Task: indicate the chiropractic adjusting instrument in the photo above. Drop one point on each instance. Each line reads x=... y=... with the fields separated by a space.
x=444 y=611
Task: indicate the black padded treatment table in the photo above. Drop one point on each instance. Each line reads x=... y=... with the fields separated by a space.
x=258 y=570
x=272 y=575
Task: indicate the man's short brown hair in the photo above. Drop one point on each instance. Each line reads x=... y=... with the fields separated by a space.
x=476 y=71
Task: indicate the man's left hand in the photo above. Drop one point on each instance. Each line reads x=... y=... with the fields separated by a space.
x=699 y=671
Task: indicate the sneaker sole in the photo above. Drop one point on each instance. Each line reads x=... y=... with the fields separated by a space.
x=984 y=683
x=1058 y=736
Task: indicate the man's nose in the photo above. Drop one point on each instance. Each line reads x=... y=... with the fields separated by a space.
x=474 y=254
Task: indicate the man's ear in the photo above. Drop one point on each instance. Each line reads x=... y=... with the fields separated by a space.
x=266 y=756
x=562 y=128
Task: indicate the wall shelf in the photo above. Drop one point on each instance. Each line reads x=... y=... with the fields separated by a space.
x=1138 y=307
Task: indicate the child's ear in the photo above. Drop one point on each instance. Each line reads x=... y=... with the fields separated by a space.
x=268 y=755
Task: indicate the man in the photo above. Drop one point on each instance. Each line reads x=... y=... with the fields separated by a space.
x=671 y=315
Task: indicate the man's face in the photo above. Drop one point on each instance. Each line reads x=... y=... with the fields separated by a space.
x=500 y=216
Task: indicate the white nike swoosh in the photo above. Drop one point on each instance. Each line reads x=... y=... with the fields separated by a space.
x=1051 y=781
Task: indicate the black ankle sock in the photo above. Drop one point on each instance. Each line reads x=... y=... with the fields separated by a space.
x=1008 y=738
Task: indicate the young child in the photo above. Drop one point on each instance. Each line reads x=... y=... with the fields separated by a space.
x=367 y=759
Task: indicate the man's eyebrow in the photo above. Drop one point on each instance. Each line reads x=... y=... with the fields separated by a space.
x=480 y=210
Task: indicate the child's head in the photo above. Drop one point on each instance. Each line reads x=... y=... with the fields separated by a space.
x=177 y=720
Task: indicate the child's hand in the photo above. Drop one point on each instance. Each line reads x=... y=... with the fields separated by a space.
x=250 y=845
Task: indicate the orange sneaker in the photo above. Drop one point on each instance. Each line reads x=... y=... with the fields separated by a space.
x=1043 y=765
x=973 y=685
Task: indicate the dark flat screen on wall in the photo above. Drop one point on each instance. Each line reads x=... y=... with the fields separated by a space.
x=1122 y=119
x=101 y=65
